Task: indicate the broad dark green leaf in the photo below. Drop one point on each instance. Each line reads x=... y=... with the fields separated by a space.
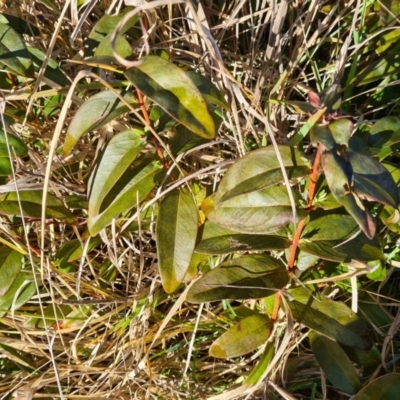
x=176 y=233
x=13 y=52
x=130 y=189
x=17 y=146
x=339 y=176
x=335 y=363
x=31 y=203
x=341 y=130
x=21 y=290
x=219 y=240
x=103 y=107
x=209 y=91
x=170 y=88
x=244 y=337
x=333 y=319
x=386 y=387
x=260 y=169
x=246 y=277
x=258 y=212
x=20 y=26
x=327 y=236
x=10 y=265
x=373 y=180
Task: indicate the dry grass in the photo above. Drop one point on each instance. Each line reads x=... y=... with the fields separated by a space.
x=125 y=338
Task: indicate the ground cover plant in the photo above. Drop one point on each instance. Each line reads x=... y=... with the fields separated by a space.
x=199 y=199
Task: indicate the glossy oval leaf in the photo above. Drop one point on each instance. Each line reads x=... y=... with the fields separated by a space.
x=101 y=108
x=31 y=203
x=10 y=265
x=260 y=169
x=121 y=47
x=382 y=130
x=244 y=337
x=176 y=233
x=219 y=240
x=333 y=319
x=246 y=277
x=170 y=88
x=13 y=52
x=386 y=387
x=127 y=192
x=258 y=212
x=335 y=363
x=17 y=146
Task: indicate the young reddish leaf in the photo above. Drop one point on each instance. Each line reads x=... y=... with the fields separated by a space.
x=260 y=169
x=244 y=337
x=333 y=319
x=169 y=87
x=386 y=387
x=246 y=277
x=103 y=107
x=176 y=233
x=335 y=363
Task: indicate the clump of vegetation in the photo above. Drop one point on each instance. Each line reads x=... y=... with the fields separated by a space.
x=199 y=199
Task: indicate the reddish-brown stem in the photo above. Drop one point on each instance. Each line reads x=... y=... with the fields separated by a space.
x=153 y=139
x=310 y=198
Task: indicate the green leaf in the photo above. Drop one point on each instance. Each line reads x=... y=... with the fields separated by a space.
x=373 y=180
x=121 y=47
x=17 y=146
x=31 y=204
x=219 y=240
x=209 y=91
x=386 y=387
x=389 y=11
x=133 y=186
x=333 y=319
x=103 y=107
x=339 y=176
x=244 y=337
x=246 y=277
x=176 y=233
x=10 y=265
x=260 y=169
x=382 y=131
x=327 y=236
x=72 y=250
x=258 y=370
x=258 y=212
x=13 y=52
x=335 y=363
x=170 y=88
x=117 y=156
x=378 y=70
x=5 y=166
x=53 y=71
x=21 y=291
